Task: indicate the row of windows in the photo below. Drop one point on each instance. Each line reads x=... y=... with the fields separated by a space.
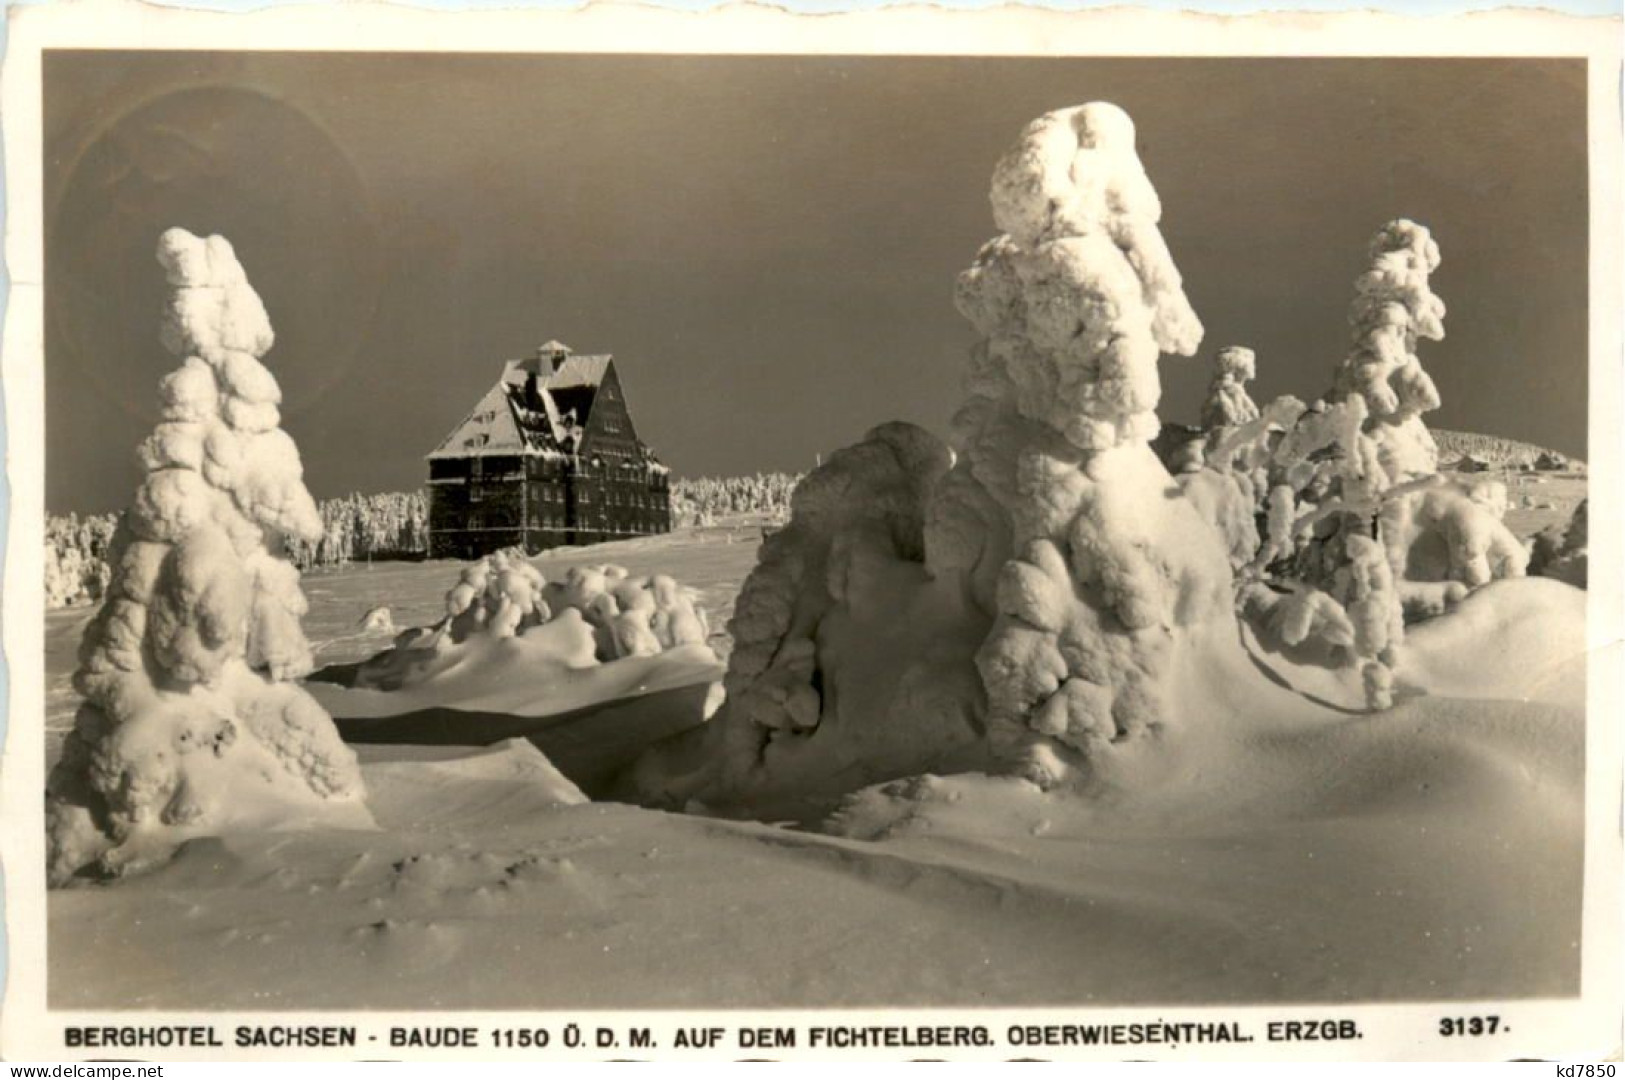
x=549 y=519
x=642 y=499
x=494 y=466
x=609 y=463
x=493 y=520
x=598 y=523
x=552 y=493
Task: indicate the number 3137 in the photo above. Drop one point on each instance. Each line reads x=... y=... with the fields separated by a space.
x=1469 y=1025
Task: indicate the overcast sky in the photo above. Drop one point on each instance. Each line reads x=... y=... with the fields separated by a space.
x=767 y=245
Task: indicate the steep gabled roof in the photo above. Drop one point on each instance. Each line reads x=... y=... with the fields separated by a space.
x=579 y=371
x=512 y=419
x=490 y=429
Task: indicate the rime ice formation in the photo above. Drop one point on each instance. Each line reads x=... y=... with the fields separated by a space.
x=190 y=725
x=850 y=665
x=1225 y=468
x=865 y=505
x=1020 y=604
x=1228 y=404
x=1107 y=563
x=595 y=615
x=1034 y=601
x=1353 y=509
x=1393 y=308
x=1079 y=295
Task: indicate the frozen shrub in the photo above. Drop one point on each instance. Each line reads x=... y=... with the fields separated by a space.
x=1299 y=616
x=1353 y=477
x=1444 y=531
x=595 y=614
x=190 y=725
x=76 y=570
x=1560 y=551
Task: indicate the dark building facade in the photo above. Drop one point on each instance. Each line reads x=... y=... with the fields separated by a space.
x=548 y=457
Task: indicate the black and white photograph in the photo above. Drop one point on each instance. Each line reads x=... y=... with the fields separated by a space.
x=548 y=532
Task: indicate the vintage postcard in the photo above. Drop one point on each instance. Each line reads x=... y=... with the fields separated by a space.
x=916 y=534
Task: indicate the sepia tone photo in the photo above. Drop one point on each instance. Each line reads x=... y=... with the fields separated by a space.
x=594 y=530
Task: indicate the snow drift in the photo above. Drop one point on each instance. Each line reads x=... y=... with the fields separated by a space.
x=592 y=668
x=191 y=725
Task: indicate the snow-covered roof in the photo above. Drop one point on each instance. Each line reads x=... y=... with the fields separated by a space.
x=580 y=371
x=534 y=408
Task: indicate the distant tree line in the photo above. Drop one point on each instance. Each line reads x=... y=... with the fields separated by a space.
x=704 y=500
x=76 y=569
x=392 y=525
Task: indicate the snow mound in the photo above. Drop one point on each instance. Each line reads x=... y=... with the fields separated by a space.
x=507 y=631
x=452 y=788
x=1520 y=639
x=190 y=725
x=591 y=668
x=377 y=620
x=849 y=661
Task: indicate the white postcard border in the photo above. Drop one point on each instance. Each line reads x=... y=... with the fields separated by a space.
x=1584 y=1028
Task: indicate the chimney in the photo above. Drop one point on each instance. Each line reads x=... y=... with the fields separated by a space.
x=554 y=352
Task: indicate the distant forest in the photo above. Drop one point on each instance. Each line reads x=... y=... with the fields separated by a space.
x=391 y=525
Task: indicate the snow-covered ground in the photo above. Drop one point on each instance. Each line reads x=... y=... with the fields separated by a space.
x=1433 y=851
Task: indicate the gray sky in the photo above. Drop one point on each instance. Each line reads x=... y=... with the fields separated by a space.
x=768 y=245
